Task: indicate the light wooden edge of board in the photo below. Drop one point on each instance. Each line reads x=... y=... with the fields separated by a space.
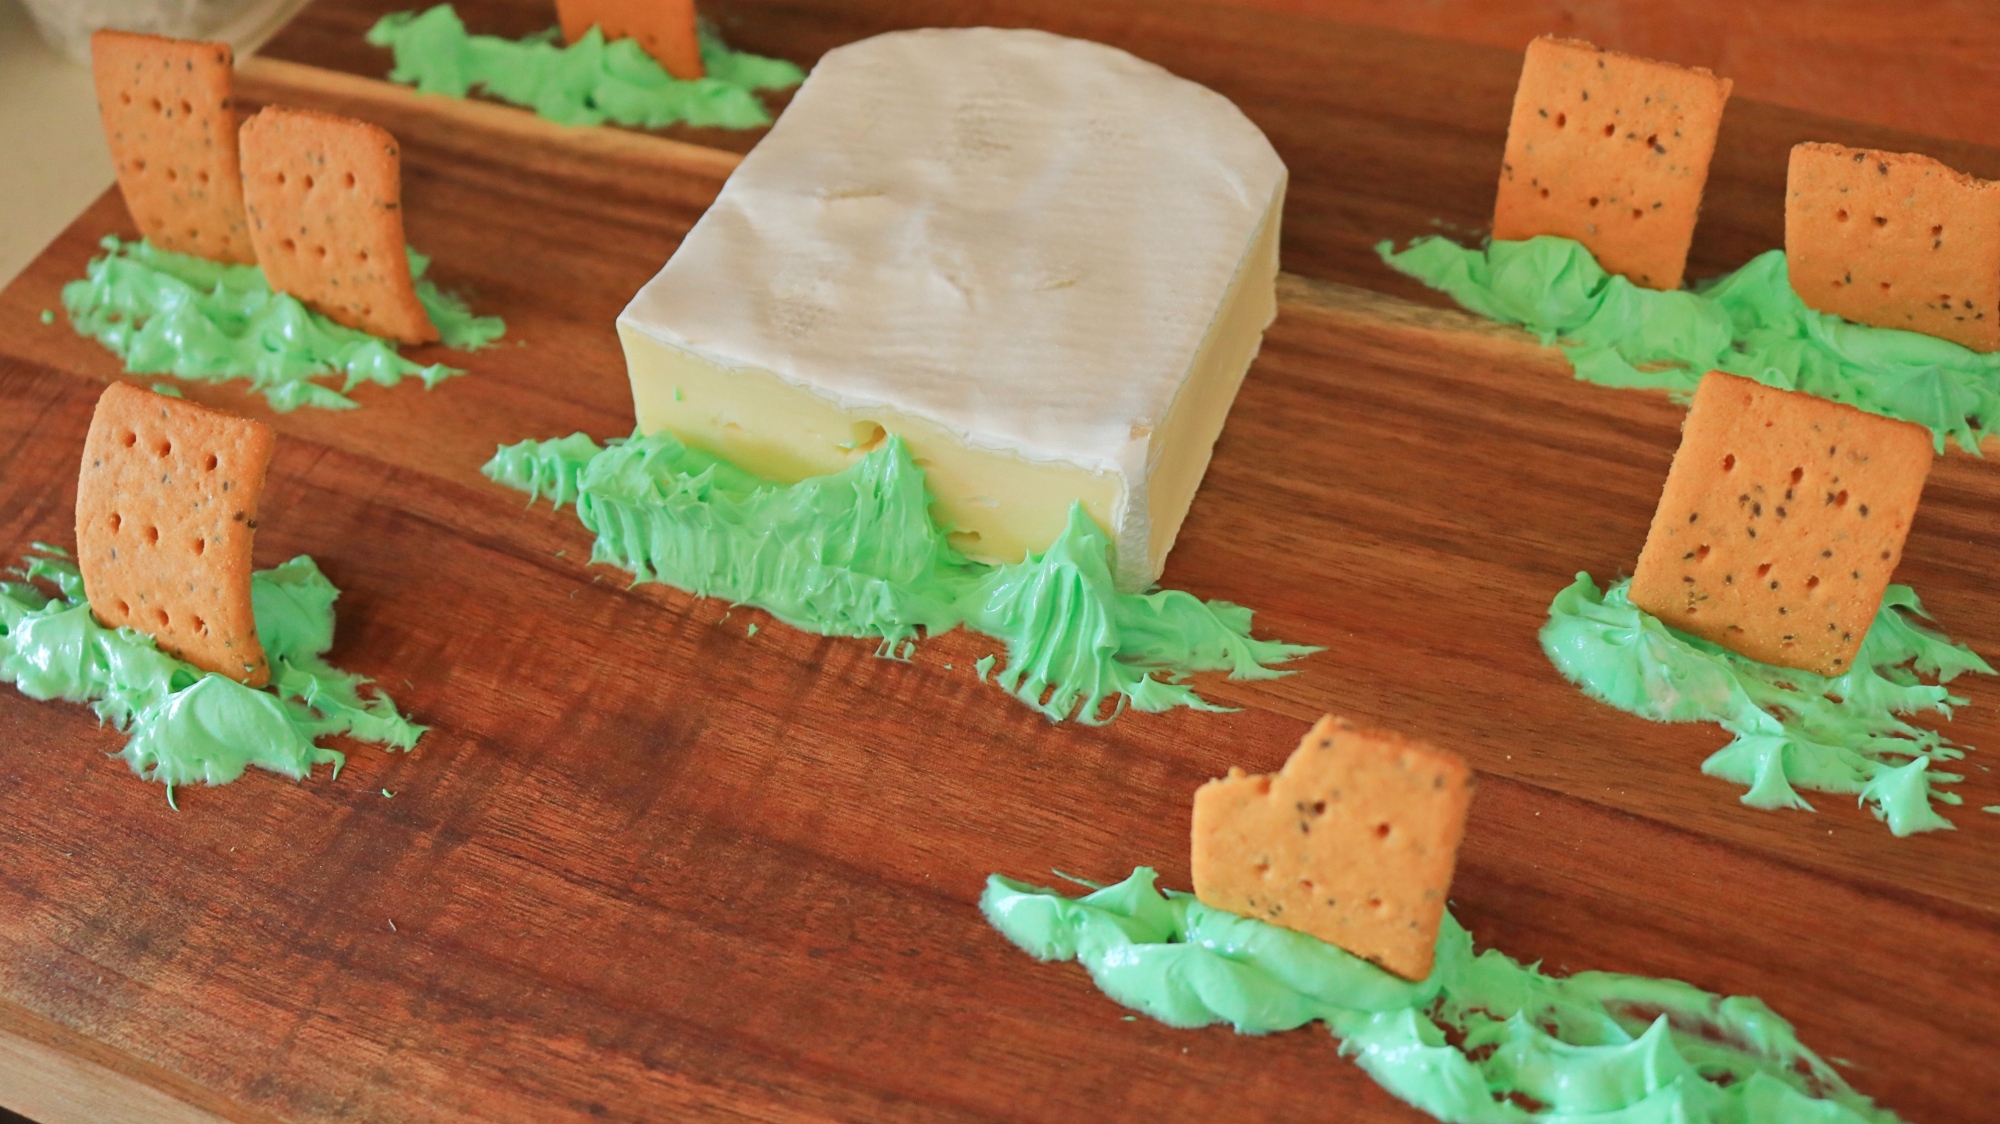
x=53 y=1075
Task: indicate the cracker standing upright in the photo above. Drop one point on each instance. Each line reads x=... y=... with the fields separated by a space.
x=1782 y=519
x=1894 y=239
x=665 y=29
x=325 y=198
x=166 y=507
x=169 y=116
x=1612 y=151
x=1353 y=842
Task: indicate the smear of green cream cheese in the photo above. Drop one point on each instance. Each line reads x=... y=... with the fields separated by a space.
x=856 y=553
x=173 y=314
x=187 y=725
x=1484 y=1040
x=1792 y=729
x=587 y=82
x=1748 y=323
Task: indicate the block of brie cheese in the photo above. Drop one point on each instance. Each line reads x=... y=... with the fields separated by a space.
x=1044 y=263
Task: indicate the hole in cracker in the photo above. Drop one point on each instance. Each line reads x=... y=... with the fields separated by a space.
x=1798 y=474
x=280 y=178
x=1701 y=553
x=1382 y=831
x=1881 y=220
x=116 y=520
x=1377 y=904
x=1763 y=569
x=201 y=177
x=309 y=183
x=1838 y=499
x=1610 y=130
x=350 y=181
x=124 y=610
x=156 y=105
x=1885 y=286
x=361 y=255
x=1637 y=213
x=1306 y=884
x=1561 y=120
x=211 y=462
x=290 y=246
x=173 y=176
x=1840 y=215
x=201 y=546
x=186 y=109
x=1729 y=462
x=128 y=439
x=1545 y=193
x=200 y=626
x=164 y=620
x=1812 y=583
x=319 y=252
x=165 y=447
x=152 y=535
x=1593 y=200
x=125 y=99
x=1653 y=141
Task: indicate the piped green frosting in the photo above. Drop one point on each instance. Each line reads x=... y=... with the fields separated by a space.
x=856 y=553
x=173 y=314
x=1793 y=730
x=1748 y=323
x=187 y=725
x=587 y=82
x=1484 y=1040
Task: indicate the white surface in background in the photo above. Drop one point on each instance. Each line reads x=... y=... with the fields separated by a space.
x=55 y=160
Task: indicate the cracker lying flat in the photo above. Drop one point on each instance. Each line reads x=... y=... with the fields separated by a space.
x=1896 y=240
x=1353 y=842
x=664 y=28
x=1612 y=151
x=1783 y=517
x=170 y=119
x=165 y=509
x=325 y=201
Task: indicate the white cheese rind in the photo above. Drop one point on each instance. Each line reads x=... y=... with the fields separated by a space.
x=1024 y=240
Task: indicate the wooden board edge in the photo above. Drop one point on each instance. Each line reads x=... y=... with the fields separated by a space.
x=53 y=1075
x=269 y=81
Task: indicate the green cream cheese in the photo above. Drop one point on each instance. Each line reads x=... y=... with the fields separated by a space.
x=587 y=82
x=1748 y=323
x=186 y=725
x=1793 y=729
x=856 y=553
x=1484 y=1040
x=173 y=314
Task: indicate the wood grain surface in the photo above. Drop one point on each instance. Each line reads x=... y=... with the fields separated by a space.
x=647 y=866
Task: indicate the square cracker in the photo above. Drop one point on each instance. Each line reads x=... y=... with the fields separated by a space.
x=1353 y=842
x=165 y=509
x=1612 y=151
x=1895 y=239
x=665 y=29
x=170 y=118
x=325 y=199
x=1783 y=517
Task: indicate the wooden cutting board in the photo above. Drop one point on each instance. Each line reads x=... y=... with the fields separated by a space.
x=647 y=866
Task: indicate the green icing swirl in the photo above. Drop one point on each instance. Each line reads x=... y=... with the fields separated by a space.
x=187 y=725
x=587 y=82
x=1484 y=1040
x=1748 y=323
x=1792 y=729
x=856 y=553
x=173 y=314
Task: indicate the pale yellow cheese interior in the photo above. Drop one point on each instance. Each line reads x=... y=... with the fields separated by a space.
x=1000 y=505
